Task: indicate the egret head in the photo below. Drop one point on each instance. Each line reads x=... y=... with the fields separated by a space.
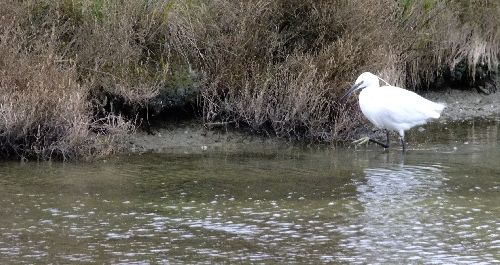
x=366 y=79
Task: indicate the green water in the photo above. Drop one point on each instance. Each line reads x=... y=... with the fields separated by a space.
x=438 y=203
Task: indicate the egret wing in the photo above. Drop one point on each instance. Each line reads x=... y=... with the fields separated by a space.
x=407 y=109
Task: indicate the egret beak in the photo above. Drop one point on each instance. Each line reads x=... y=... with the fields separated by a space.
x=355 y=87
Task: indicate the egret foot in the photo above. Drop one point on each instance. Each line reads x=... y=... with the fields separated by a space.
x=367 y=139
x=362 y=140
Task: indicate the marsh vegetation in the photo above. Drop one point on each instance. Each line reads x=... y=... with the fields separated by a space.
x=77 y=76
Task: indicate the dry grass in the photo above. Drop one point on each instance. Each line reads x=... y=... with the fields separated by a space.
x=280 y=66
x=45 y=110
x=71 y=69
x=444 y=34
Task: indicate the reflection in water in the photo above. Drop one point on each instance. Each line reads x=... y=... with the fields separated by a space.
x=438 y=204
x=409 y=215
x=394 y=218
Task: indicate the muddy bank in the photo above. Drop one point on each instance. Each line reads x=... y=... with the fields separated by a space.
x=192 y=137
x=467 y=105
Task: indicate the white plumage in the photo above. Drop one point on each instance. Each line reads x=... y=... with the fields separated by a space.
x=392 y=108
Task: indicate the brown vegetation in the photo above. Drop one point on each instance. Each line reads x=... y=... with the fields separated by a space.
x=280 y=65
x=75 y=75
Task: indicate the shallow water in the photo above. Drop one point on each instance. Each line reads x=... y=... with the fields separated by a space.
x=438 y=203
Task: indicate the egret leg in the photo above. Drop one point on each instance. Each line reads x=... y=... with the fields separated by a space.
x=402 y=137
x=379 y=143
x=387 y=143
x=403 y=144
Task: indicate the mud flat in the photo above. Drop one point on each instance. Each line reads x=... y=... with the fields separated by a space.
x=192 y=137
x=467 y=105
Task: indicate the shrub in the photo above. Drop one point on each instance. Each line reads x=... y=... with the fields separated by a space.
x=280 y=66
x=44 y=105
x=447 y=34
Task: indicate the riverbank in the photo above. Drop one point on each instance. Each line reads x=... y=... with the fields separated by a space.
x=79 y=77
x=191 y=136
x=464 y=105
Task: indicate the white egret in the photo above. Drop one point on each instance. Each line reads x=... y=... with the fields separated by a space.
x=391 y=108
